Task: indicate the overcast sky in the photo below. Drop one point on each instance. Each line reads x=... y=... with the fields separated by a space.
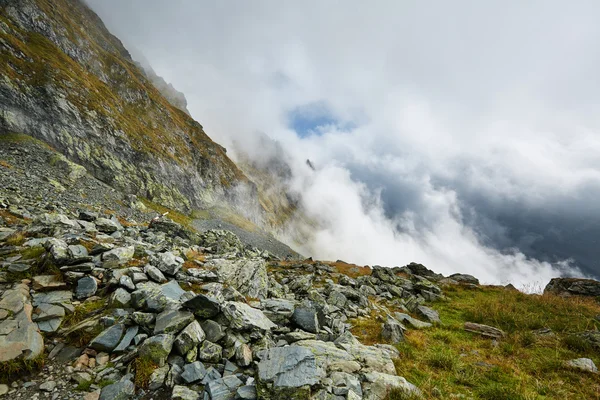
x=463 y=135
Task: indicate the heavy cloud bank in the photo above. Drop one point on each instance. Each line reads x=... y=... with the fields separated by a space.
x=460 y=135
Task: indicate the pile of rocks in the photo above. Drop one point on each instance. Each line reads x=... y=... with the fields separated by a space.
x=161 y=309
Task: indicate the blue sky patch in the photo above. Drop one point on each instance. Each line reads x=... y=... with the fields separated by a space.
x=307 y=119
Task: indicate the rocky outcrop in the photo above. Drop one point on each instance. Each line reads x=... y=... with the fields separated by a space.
x=83 y=95
x=573 y=287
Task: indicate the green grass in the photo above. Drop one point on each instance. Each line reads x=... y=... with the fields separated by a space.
x=446 y=360
x=14 y=369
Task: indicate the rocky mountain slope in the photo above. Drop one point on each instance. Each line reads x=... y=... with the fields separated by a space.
x=66 y=80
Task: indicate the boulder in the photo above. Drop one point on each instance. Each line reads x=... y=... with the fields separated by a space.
x=155 y=274
x=119 y=255
x=106 y=225
x=184 y=393
x=464 y=278
x=157 y=348
x=306 y=318
x=429 y=314
x=172 y=321
x=573 y=287
x=209 y=352
x=287 y=372
x=189 y=338
x=392 y=331
x=19 y=336
x=484 y=330
x=243 y=317
x=582 y=364
x=378 y=386
x=169 y=263
x=108 y=339
x=86 y=287
x=248 y=276
x=123 y=389
x=203 y=306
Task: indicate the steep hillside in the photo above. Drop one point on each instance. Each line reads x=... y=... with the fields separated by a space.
x=66 y=80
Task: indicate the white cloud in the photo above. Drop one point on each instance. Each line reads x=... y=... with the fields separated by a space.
x=461 y=107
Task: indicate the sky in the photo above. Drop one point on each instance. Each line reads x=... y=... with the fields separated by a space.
x=462 y=135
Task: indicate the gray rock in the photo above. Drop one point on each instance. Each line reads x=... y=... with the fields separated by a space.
x=278 y=310
x=127 y=283
x=59 y=250
x=157 y=348
x=247 y=392
x=119 y=255
x=203 y=306
x=154 y=273
x=172 y=321
x=464 y=278
x=106 y=225
x=392 y=331
x=138 y=277
x=174 y=376
x=121 y=390
x=428 y=314
x=184 y=393
x=127 y=339
x=573 y=286
x=48 y=386
x=211 y=375
x=78 y=254
x=157 y=379
x=378 y=385
x=209 y=352
x=169 y=263
x=108 y=339
x=248 y=276
x=120 y=298
x=306 y=318
x=415 y=323
x=243 y=317
x=193 y=372
x=224 y=388
x=213 y=330
x=86 y=287
x=582 y=364
x=484 y=330
x=189 y=338
x=142 y=318
x=283 y=368
x=19 y=336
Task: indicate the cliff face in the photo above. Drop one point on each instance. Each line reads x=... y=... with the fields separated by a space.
x=67 y=81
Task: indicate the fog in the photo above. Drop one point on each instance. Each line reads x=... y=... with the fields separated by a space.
x=463 y=136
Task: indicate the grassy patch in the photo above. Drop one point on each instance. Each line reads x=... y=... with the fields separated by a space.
x=10 y=218
x=14 y=369
x=143 y=370
x=446 y=360
x=368 y=329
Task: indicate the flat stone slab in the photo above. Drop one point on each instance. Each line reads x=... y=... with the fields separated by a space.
x=484 y=330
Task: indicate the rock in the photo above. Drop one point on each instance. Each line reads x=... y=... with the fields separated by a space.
x=223 y=388
x=157 y=348
x=209 y=352
x=330 y=357
x=214 y=331
x=484 y=330
x=189 y=338
x=88 y=216
x=590 y=339
x=169 y=263
x=43 y=283
x=106 y=225
x=121 y=390
x=154 y=274
x=78 y=254
x=429 y=314
x=183 y=393
x=392 y=331
x=193 y=372
x=582 y=364
x=138 y=277
x=119 y=255
x=86 y=287
x=306 y=318
x=127 y=283
x=108 y=339
x=415 y=323
x=278 y=310
x=59 y=250
x=3 y=389
x=465 y=278
x=47 y=311
x=243 y=355
x=248 y=276
x=243 y=317
x=220 y=241
x=247 y=392
x=157 y=378
x=48 y=386
x=172 y=321
x=203 y=306
x=573 y=286
x=19 y=336
x=127 y=339
x=343 y=383
x=120 y=298
x=379 y=385
x=285 y=371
